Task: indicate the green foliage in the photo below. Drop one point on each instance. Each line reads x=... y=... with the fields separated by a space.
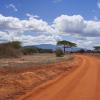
x=16 y=44
x=10 y=49
x=13 y=44
x=14 y=49
x=97 y=48
x=32 y=50
x=45 y=50
x=59 y=52
x=29 y=51
x=66 y=43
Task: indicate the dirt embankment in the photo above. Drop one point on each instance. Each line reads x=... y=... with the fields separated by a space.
x=14 y=85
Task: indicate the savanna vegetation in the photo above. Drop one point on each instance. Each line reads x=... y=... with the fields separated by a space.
x=10 y=49
x=59 y=52
x=15 y=49
x=66 y=44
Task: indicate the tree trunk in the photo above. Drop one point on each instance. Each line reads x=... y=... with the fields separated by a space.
x=64 y=49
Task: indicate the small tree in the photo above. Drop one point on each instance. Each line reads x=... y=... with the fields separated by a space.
x=66 y=44
x=59 y=52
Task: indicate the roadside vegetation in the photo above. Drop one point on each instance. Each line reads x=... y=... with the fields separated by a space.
x=59 y=52
x=65 y=44
x=10 y=49
x=14 y=49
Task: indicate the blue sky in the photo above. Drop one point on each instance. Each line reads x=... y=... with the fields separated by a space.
x=50 y=9
x=51 y=20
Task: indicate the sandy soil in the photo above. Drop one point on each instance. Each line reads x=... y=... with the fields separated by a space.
x=22 y=75
x=82 y=84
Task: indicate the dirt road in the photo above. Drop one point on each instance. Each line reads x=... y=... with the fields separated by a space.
x=82 y=84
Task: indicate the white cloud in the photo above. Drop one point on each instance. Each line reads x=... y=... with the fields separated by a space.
x=28 y=39
x=31 y=24
x=12 y=6
x=69 y=24
x=63 y=24
x=4 y=36
x=76 y=24
x=13 y=28
x=31 y=16
x=85 y=32
x=88 y=42
x=34 y=40
x=92 y=29
x=98 y=5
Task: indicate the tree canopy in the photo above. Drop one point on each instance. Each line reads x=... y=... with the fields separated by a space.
x=66 y=44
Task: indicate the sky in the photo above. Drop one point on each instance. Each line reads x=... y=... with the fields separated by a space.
x=46 y=21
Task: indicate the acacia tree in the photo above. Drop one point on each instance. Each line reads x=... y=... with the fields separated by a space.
x=66 y=44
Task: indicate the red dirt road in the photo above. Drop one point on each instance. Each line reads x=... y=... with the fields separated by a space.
x=81 y=84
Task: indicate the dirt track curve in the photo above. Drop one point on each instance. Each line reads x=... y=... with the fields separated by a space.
x=81 y=84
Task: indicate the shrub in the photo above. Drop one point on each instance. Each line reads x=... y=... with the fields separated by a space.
x=15 y=44
x=45 y=50
x=59 y=52
x=29 y=51
x=10 y=49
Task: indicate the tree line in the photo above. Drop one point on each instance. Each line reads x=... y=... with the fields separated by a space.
x=15 y=49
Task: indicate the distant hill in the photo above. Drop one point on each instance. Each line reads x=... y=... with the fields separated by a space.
x=46 y=46
x=42 y=46
x=53 y=47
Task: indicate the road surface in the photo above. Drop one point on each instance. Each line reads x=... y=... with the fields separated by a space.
x=81 y=84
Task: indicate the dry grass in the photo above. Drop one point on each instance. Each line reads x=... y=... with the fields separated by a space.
x=20 y=64
x=19 y=75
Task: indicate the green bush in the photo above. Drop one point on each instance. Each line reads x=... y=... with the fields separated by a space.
x=59 y=52
x=10 y=49
x=15 y=44
x=29 y=51
x=45 y=50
